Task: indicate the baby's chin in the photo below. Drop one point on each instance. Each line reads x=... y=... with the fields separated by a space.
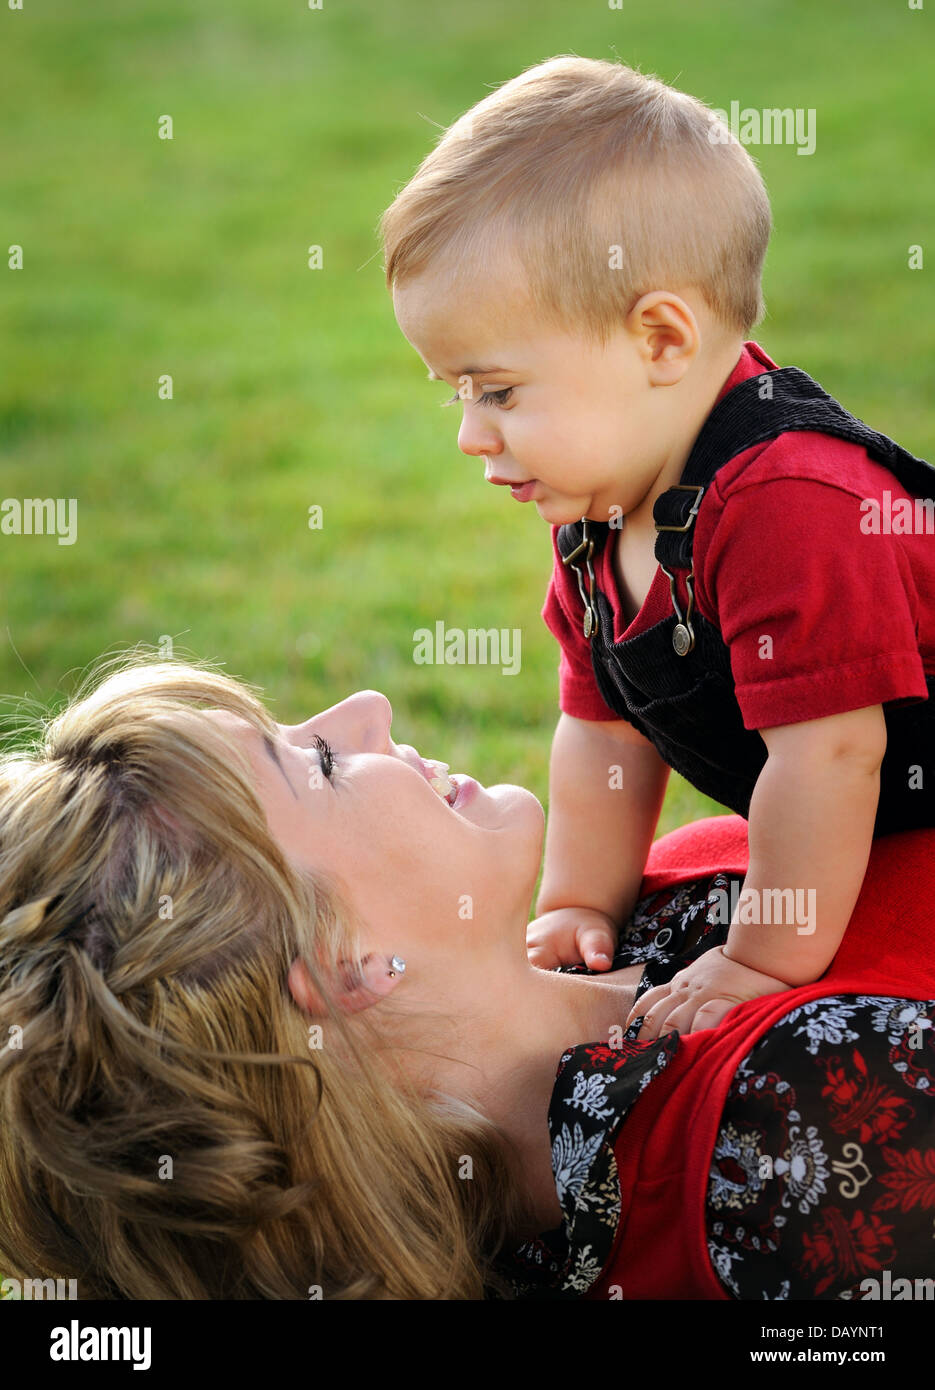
x=560 y=509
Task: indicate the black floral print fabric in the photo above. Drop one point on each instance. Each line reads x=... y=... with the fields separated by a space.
x=801 y=1203
x=822 y=1181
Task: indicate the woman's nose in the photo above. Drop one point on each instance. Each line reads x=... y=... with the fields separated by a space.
x=361 y=722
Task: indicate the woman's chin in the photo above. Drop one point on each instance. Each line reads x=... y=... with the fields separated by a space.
x=517 y=802
x=518 y=805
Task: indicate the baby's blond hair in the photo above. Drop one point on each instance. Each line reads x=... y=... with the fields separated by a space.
x=566 y=162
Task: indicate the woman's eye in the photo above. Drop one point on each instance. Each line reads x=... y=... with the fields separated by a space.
x=488 y=398
x=327 y=755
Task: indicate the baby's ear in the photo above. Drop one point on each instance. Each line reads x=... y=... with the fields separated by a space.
x=356 y=985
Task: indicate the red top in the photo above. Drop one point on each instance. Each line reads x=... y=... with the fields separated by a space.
x=851 y=614
x=663 y=1152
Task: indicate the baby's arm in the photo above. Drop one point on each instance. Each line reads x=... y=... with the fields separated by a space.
x=810 y=827
x=606 y=787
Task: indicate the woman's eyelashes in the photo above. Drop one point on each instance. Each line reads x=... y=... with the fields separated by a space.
x=327 y=755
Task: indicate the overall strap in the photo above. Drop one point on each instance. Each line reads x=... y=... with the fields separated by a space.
x=578 y=542
x=754 y=411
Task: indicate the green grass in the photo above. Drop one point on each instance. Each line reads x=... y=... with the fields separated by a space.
x=293 y=387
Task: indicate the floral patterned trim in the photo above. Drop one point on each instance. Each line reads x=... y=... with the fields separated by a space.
x=595 y=1088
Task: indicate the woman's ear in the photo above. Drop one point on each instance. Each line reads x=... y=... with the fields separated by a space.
x=357 y=985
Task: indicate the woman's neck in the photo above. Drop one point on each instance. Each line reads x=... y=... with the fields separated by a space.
x=503 y=1050
x=564 y=1010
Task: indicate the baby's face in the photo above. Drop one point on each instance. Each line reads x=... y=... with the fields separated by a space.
x=580 y=425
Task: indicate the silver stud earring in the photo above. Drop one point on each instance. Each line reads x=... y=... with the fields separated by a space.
x=397 y=967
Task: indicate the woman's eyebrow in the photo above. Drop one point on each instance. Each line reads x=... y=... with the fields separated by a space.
x=268 y=745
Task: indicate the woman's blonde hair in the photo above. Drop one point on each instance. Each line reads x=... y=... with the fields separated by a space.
x=603 y=184
x=169 y=1127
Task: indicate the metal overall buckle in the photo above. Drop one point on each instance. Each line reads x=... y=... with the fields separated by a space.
x=590 y=624
x=683 y=634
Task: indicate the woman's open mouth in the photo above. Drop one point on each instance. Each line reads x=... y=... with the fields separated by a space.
x=457 y=790
x=466 y=788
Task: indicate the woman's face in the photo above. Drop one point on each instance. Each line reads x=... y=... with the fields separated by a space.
x=414 y=869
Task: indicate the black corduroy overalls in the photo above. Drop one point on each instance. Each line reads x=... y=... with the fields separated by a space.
x=673 y=682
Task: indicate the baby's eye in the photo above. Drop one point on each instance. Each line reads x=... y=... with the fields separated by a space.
x=497 y=397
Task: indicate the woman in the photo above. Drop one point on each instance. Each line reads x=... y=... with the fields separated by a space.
x=273 y=1032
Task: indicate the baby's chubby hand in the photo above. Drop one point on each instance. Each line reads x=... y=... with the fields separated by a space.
x=699 y=996
x=570 y=936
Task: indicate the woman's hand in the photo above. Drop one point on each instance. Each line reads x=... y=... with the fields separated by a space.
x=699 y=996
x=570 y=936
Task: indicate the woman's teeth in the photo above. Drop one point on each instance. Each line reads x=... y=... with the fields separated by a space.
x=444 y=786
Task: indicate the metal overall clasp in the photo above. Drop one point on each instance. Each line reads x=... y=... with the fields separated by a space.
x=590 y=624
x=683 y=634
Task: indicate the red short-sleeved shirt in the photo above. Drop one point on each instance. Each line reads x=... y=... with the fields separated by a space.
x=851 y=615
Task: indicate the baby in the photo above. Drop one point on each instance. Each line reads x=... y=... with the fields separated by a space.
x=733 y=596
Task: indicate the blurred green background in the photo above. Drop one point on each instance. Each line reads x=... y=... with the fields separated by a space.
x=294 y=387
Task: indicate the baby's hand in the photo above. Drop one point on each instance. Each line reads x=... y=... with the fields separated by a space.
x=699 y=996
x=570 y=936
